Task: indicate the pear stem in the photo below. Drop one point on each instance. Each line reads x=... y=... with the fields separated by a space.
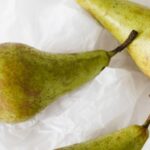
x=129 y=40
x=147 y=123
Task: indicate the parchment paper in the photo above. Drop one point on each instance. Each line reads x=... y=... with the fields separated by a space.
x=116 y=98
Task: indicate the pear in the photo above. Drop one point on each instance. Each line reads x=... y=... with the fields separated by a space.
x=31 y=79
x=120 y=17
x=130 y=138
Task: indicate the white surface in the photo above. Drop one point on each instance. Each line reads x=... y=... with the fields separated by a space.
x=115 y=99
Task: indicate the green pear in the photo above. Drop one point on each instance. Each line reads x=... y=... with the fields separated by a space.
x=130 y=138
x=120 y=17
x=31 y=79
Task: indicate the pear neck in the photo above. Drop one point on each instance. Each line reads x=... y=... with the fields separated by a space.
x=147 y=123
x=127 y=42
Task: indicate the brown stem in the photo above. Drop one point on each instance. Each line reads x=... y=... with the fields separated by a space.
x=147 y=123
x=129 y=40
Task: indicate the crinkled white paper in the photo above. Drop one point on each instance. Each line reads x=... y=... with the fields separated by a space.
x=116 y=98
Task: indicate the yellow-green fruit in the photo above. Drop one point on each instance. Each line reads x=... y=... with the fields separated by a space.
x=31 y=79
x=120 y=17
x=131 y=138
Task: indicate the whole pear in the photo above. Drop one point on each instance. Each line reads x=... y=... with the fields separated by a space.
x=130 y=138
x=120 y=17
x=31 y=79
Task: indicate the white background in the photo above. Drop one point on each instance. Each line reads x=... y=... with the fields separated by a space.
x=116 y=98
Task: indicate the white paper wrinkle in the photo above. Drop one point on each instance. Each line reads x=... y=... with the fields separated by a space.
x=116 y=98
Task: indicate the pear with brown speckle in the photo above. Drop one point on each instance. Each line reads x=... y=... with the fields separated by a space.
x=31 y=79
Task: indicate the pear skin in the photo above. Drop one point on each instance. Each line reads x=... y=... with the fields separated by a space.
x=31 y=79
x=130 y=138
x=120 y=17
